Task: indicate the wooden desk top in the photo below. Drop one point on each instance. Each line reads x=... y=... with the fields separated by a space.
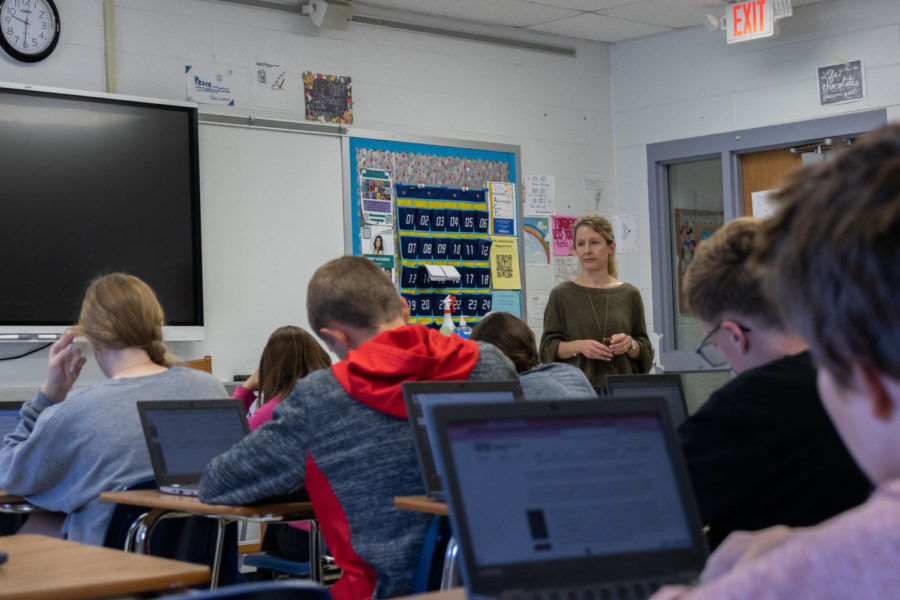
x=41 y=567
x=451 y=594
x=421 y=504
x=10 y=498
x=290 y=511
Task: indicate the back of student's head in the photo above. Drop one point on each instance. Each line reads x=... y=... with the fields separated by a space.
x=511 y=335
x=354 y=291
x=721 y=279
x=121 y=311
x=290 y=354
x=833 y=255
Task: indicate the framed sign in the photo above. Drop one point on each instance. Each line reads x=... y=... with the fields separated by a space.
x=328 y=98
x=841 y=83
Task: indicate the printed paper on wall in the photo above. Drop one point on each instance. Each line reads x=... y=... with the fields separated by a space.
x=505 y=263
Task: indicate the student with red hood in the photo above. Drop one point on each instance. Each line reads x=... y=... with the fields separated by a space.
x=344 y=433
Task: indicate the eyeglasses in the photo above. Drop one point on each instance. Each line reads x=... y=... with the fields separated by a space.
x=709 y=352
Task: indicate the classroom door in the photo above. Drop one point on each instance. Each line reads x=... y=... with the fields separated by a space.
x=766 y=170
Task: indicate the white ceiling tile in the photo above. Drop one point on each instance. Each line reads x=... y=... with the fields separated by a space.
x=665 y=13
x=591 y=26
x=585 y=5
x=513 y=13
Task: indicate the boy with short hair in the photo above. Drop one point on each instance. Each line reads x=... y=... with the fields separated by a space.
x=762 y=450
x=344 y=430
x=833 y=257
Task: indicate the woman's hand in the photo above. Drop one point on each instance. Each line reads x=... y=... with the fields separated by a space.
x=620 y=343
x=592 y=349
x=63 y=368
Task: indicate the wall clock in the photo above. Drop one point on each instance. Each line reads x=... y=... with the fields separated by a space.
x=29 y=29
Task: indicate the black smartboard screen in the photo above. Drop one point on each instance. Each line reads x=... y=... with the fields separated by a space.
x=90 y=185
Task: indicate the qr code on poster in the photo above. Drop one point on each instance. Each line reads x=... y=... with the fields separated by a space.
x=504 y=266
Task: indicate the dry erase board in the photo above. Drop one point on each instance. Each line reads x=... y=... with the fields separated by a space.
x=418 y=206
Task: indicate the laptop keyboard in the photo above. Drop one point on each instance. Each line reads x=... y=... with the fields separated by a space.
x=619 y=590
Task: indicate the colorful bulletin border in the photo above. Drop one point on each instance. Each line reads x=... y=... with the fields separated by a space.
x=432 y=183
x=309 y=79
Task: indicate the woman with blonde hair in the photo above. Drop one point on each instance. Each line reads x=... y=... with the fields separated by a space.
x=595 y=321
x=71 y=445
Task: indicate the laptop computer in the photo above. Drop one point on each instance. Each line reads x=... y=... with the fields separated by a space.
x=665 y=385
x=184 y=435
x=574 y=499
x=9 y=416
x=422 y=396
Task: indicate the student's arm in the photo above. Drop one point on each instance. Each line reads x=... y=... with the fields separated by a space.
x=35 y=457
x=246 y=391
x=269 y=462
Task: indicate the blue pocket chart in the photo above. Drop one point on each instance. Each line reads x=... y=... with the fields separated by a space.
x=442 y=217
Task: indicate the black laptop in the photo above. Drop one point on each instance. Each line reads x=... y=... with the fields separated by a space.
x=422 y=396
x=9 y=417
x=665 y=385
x=574 y=499
x=184 y=435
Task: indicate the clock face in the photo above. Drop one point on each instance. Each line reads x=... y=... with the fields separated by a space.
x=29 y=29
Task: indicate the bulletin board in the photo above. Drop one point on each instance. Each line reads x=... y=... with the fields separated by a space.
x=417 y=206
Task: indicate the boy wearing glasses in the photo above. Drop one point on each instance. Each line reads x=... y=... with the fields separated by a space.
x=761 y=451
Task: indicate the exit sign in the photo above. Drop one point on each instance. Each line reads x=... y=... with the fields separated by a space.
x=750 y=20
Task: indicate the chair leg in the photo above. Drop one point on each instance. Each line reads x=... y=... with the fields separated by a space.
x=450 y=572
x=217 y=556
x=316 y=573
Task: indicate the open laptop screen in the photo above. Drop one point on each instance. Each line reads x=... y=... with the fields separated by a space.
x=9 y=417
x=422 y=397
x=545 y=494
x=566 y=488
x=183 y=436
x=665 y=386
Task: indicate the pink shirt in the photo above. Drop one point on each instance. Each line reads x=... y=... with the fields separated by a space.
x=260 y=416
x=853 y=555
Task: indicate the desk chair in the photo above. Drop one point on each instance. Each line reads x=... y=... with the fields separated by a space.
x=271 y=566
x=190 y=538
x=201 y=364
x=290 y=589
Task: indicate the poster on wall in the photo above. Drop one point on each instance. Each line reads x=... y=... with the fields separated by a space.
x=510 y=302
x=209 y=85
x=540 y=195
x=841 y=83
x=268 y=85
x=565 y=268
x=377 y=244
x=505 y=263
x=503 y=208
x=625 y=232
x=328 y=98
x=537 y=241
x=562 y=235
x=537 y=304
x=376 y=196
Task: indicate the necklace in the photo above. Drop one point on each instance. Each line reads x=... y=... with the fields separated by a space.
x=603 y=337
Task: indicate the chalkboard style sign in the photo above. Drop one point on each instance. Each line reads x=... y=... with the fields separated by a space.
x=841 y=83
x=328 y=98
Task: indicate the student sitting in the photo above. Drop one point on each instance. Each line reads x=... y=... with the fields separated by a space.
x=344 y=430
x=291 y=353
x=546 y=381
x=833 y=256
x=69 y=447
x=761 y=451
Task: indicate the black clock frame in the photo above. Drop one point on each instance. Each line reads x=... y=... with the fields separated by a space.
x=30 y=58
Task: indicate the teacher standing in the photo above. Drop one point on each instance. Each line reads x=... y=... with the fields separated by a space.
x=595 y=321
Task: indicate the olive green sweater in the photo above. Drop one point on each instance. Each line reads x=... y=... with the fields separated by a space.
x=575 y=312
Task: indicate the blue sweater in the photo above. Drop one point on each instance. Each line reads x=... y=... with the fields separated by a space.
x=61 y=456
